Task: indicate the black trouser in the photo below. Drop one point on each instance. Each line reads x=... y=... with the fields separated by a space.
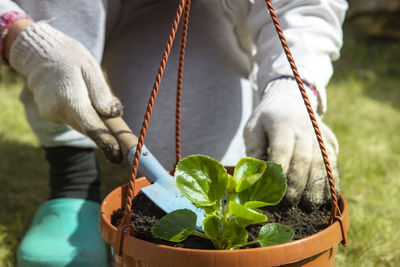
x=73 y=173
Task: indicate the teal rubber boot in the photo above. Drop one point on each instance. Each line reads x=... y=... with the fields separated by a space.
x=64 y=232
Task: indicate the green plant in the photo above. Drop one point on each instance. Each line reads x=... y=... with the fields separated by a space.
x=231 y=202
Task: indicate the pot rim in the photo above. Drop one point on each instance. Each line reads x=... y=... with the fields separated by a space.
x=277 y=254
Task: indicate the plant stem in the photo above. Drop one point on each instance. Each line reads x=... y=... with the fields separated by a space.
x=221 y=215
x=217 y=208
x=203 y=235
x=251 y=243
x=229 y=196
x=217 y=243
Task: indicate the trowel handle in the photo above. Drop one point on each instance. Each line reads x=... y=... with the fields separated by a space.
x=122 y=132
x=149 y=166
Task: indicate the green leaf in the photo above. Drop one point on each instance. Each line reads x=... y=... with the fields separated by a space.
x=175 y=226
x=270 y=188
x=212 y=226
x=231 y=184
x=245 y=216
x=234 y=234
x=247 y=172
x=255 y=204
x=207 y=208
x=201 y=179
x=274 y=234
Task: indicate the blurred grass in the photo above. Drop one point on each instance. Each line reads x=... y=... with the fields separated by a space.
x=364 y=112
x=24 y=171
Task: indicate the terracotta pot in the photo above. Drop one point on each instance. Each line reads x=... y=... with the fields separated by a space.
x=315 y=250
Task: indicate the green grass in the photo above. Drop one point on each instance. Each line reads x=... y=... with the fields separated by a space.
x=24 y=171
x=364 y=112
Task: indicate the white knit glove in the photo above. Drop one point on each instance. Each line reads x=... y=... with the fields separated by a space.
x=280 y=130
x=67 y=83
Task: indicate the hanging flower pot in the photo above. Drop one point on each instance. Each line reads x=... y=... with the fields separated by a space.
x=315 y=250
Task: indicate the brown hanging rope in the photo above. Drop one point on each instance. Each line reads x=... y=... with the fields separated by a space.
x=185 y=23
x=307 y=103
x=336 y=214
x=185 y=4
x=126 y=220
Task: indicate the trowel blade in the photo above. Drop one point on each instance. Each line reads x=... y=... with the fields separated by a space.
x=168 y=201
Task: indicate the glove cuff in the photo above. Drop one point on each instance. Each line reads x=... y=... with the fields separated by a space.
x=31 y=44
x=6 y=20
x=286 y=87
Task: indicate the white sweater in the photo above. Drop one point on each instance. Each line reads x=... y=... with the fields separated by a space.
x=243 y=41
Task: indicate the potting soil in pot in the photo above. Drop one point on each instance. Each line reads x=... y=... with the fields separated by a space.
x=145 y=214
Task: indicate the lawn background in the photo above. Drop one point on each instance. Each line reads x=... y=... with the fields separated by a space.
x=364 y=112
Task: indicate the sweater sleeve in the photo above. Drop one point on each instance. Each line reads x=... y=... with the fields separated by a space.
x=313 y=30
x=8 y=6
x=9 y=12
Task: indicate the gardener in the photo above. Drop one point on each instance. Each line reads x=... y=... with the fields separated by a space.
x=58 y=47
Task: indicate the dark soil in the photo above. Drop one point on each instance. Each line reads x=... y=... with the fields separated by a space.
x=145 y=214
x=304 y=223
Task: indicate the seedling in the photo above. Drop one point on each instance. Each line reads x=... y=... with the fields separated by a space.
x=231 y=202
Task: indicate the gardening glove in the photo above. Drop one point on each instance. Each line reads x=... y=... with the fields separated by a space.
x=280 y=130
x=67 y=83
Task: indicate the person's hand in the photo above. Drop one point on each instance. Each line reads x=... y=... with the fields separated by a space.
x=280 y=129
x=66 y=81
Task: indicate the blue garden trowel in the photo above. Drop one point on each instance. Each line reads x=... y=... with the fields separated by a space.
x=163 y=190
